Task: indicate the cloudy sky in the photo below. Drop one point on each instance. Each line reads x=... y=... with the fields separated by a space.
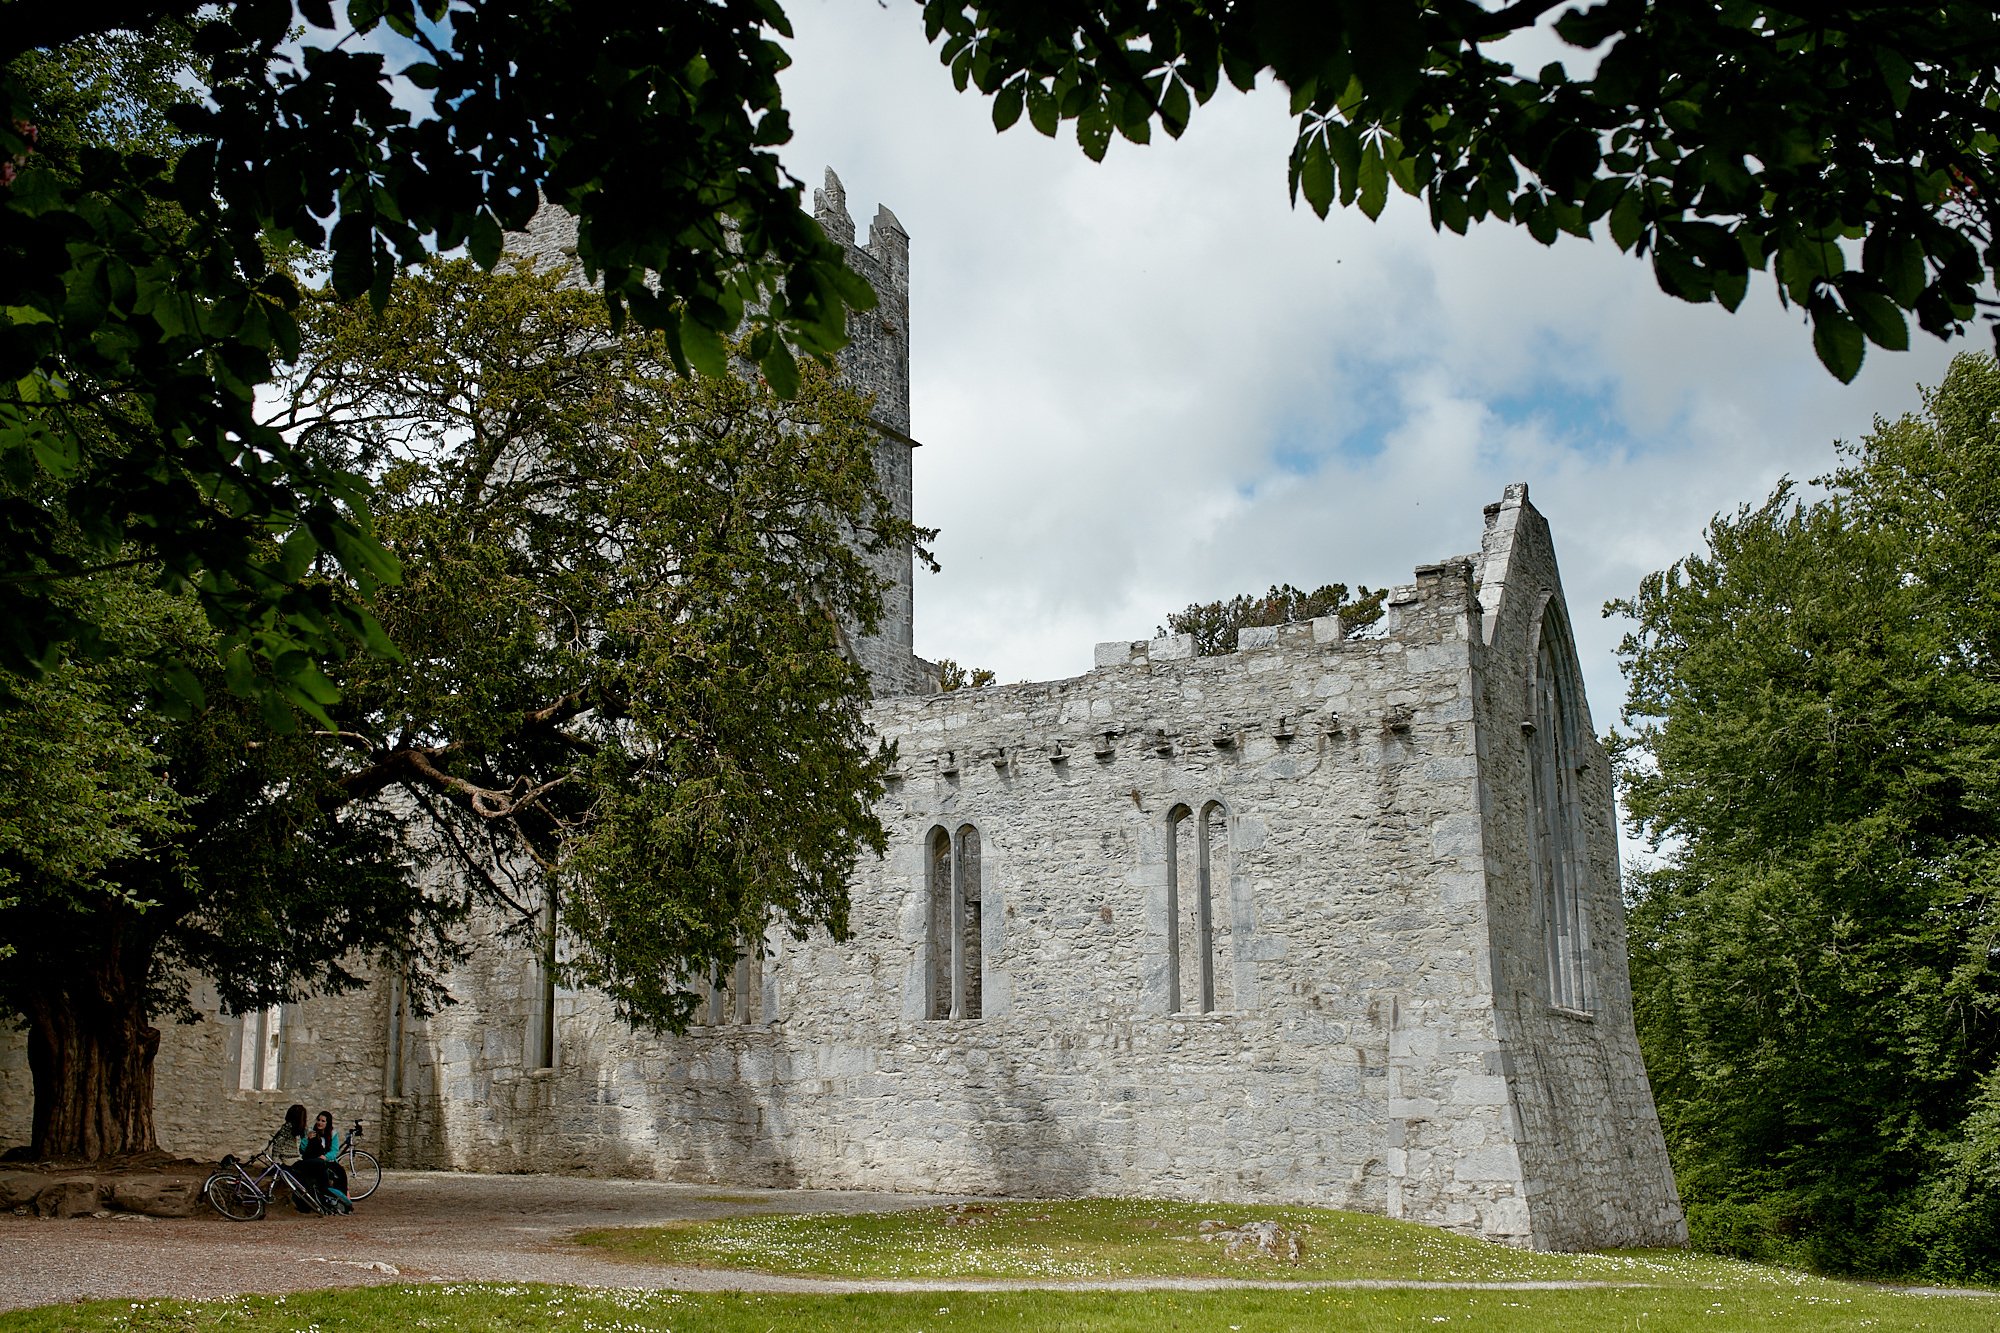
x=1151 y=381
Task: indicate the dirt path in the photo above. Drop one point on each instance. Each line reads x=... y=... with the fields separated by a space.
x=420 y=1226
x=443 y=1227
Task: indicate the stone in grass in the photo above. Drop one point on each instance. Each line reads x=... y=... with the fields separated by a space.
x=1253 y=1240
x=969 y=1214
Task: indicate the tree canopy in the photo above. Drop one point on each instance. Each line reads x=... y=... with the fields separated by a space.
x=621 y=693
x=618 y=615
x=147 y=287
x=141 y=307
x=1715 y=138
x=1215 y=624
x=1815 y=713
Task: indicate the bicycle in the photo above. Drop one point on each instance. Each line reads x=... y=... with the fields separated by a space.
x=364 y=1173
x=241 y=1197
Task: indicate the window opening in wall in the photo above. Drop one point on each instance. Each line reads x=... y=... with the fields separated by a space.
x=392 y=1060
x=1554 y=751
x=966 y=968
x=541 y=1042
x=735 y=994
x=954 y=970
x=261 y=1058
x=718 y=996
x=1212 y=928
x=937 y=942
x=1195 y=845
x=746 y=985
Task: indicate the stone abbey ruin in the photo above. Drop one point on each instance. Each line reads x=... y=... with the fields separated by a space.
x=1329 y=919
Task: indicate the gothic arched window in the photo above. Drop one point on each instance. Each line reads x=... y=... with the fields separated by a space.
x=1195 y=844
x=953 y=969
x=1554 y=754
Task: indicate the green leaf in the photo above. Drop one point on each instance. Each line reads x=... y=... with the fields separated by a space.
x=1628 y=225
x=1316 y=176
x=1093 y=131
x=1007 y=105
x=56 y=452
x=484 y=241
x=1838 y=340
x=1896 y=259
x=1374 y=182
x=781 y=372
x=1042 y=110
x=705 y=349
x=1879 y=318
x=296 y=554
x=1678 y=275
x=1730 y=286
x=1174 y=108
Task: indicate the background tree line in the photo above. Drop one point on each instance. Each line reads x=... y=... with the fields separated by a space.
x=1814 y=750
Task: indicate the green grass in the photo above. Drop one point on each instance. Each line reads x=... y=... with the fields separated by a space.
x=1135 y=1238
x=466 y=1309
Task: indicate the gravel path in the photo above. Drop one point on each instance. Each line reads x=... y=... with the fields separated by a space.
x=448 y=1226
x=420 y=1226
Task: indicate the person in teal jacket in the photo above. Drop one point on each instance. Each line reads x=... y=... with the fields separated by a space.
x=322 y=1147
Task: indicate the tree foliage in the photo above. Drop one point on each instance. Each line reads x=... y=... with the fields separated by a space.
x=1816 y=750
x=621 y=690
x=1716 y=138
x=1215 y=624
x=143 y=852
x=140 y=307
x=622 y=680
x=954 y=676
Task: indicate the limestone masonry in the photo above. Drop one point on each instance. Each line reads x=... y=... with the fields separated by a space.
x=1331 y=919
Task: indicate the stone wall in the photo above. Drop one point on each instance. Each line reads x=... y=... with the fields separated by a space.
x=1596 y=1172
x=1382 y=1036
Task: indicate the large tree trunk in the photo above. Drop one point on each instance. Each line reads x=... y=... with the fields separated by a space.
x=91 y=1049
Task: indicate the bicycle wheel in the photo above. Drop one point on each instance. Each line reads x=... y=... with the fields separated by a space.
x=234 y=1197
x=364 y=1173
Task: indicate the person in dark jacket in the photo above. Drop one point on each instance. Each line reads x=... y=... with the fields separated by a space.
x=310 y=1166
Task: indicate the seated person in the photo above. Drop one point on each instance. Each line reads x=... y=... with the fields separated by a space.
x=311 y=1167
x=323 y=1146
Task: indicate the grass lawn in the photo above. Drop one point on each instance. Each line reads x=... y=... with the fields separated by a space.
x=1139 y=1238
x=473 y=1309
x=1654 y=1291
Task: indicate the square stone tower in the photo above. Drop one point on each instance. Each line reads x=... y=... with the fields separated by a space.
x=876 y=361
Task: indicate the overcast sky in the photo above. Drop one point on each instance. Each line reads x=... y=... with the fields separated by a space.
x=1151 y=381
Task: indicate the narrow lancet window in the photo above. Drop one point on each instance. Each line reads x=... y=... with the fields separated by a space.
x=1197 y=861
x=937 y=933
x=541 y=1041
x=262 y=1053
x=967 y=971
x=954 y=971
x=1211 y=924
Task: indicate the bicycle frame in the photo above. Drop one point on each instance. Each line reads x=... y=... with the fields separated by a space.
x=264 y=1184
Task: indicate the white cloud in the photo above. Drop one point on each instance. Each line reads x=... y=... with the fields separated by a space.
x=1150 y=381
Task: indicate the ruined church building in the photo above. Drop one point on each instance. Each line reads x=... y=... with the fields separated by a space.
x=1330 y=919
